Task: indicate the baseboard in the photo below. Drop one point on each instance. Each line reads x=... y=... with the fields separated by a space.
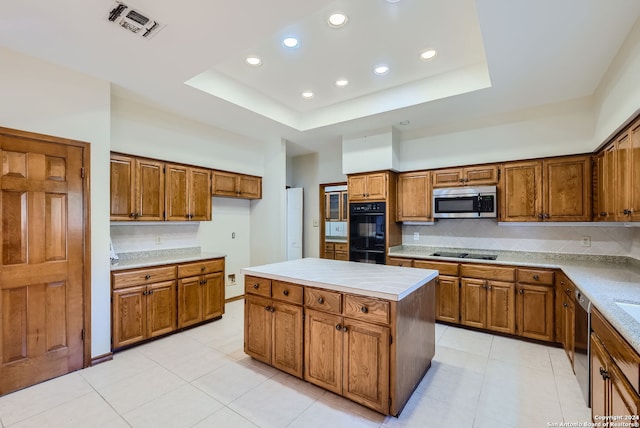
x=102 y=358
x=233 y=299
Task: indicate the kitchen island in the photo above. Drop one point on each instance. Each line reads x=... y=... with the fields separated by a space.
x=366 y=332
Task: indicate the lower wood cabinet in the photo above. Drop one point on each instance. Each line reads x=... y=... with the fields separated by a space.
x=200 y=296
x=447 y=288
x=535 y=304
x=565 y=315
x=336 y=251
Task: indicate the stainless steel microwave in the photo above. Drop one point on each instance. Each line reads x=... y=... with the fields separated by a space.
x=465 y=202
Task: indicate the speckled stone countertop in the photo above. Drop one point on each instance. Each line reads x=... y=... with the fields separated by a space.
x=602 y=279
x=386 y=282
x=142 y=259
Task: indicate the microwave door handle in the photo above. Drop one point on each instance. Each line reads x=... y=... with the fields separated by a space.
x=479 y=205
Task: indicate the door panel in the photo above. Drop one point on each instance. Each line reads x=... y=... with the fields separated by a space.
x=190 y=301
x=213 y=295
x=473 y=302
x=287 y=338
x=501 y=305
x=41 y=281
x=161 y=308
x=257 y=328
x=323 y=346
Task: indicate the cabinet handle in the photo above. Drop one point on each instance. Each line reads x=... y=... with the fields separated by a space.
x=203 y=268
x=345 y=329
x=521 y=291
x=285 y=292
x=561 y=282
x=489 y=287
x=536 y=277
x=605 y=374
x=364 y=309
x=147 y=276
x=203 y=282
x=565 y=305
x=545 y=215
x=338 y=327
x=568 y=290
x=144 y=293
x=603 y=214
x=256 y=286
x=320 y=300
x=540 y=216
x=626 y=212
x=150 y=292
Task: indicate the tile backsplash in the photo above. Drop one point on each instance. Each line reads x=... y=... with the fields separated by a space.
x=488 y=235
x=131 y=237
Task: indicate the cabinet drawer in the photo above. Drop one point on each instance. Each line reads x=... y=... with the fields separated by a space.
x=259 y=286
x=567 y=287
x=341 y=247
x=535 y=276
x=328 y=246
x=287 y=292
x=396 y=261
x=200 y=268
x=323 y=300
x=497 y=273
x=367 y=308
x=143 y=276
x=444 y=268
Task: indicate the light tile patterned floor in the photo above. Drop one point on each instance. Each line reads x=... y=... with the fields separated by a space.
x=201 y=378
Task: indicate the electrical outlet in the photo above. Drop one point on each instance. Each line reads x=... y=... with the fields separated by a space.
x=233 y=235
x=158 y=240
x=416 y=236
x=586 y=241
x=316 y=223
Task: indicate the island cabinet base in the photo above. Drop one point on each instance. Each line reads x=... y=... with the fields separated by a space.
x=370 y=350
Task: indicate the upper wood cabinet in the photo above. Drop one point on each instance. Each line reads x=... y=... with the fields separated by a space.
x=229 y=184
x=414 y=196
x=137 y=189
x=553 y=189
x=188 y=192
x=483 y=175
x=367 y=187
x=336 y=206
x=626 y=187
x=604 y=202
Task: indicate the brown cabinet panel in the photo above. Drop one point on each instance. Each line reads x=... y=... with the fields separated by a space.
x=497 y=273
x=257 y=328
x=213 y=295
x=567 y=189
x=367 y=187
x=225 y=184
x=634 y=172
x=501 y=306
x=200 y=268
x=161 y=308
x=189 y=301
x=448 y=177
x=473 y=302
x=444 y=268
x=229 y=184
x=188 y=193
x=199 y=192
x=122 y=180
x=323 y=300
x=137 y=189
x=255 y=285
x=287 y=338
x=448 y=299
x=367 y=309
x=142 y=276
x=287 y=292
x=250 y=187
x=414 y=196
x=520 y=191
x=481 y=175
x=535 y=311
x=129 y=316
x=536 y=276
x=323 y=349
x=397 y=261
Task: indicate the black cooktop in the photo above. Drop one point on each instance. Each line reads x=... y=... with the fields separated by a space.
x=466 y=255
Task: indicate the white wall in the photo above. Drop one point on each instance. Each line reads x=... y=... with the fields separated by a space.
x=635 y=245
x=41 y=97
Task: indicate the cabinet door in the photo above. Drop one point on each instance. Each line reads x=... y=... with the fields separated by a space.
x=323 y=347
x=451 y=177
x=357 y=188
x=225 y=184
x=213 y=295
x=341 y=255
x=199 y=194
x=481 y=175
x=344 y=204
x=634 y=172
x=609 y=171
x=521 y=191
x=622 y=190
x=568 y=327
x=257 y=328
x=534 y=308
x=287 y=338
x=501 y=304
x=149 y=203
x=448 y=299
x=161 y=308
x=176 y=188
x=473 y=302
x=414 y=196
x=250 y=187
x=190 y=291
x=122 y=181
x=599 y=188
x=600 y=387
x=332 y=206
x=129 y=316
x=567 y=189
x=376 y=186
x=366 y=364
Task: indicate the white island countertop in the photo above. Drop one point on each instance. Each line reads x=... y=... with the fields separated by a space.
x=386 y=282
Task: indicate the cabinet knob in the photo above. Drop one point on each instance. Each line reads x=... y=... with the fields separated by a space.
x=203 y=282
x=203 y=268
x=626 y=212
x=364 y=309
x=603 y=214
x=536 y=277
x=147 y=276
x=545 y=215
x=338 y=327
x=256 y=286
x=345 y=329
x=320 y=300
x=561 y=282
x=565 y=305
x=540 y=215
x=568 y=290
x=521 y=291
x=285 y=292
x=605 y=374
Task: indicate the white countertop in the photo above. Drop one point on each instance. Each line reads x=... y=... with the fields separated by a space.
x=603 y=280
x=386 y=282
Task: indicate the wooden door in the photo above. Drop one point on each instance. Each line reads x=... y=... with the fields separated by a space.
x=323 y=348
x=622 y=189
x=567 y=188
x=129 y=322
x=225 y=184
x=451 y=177
x=484 y=175
x=634 y=171
x=161 y=308
x=257 y=328
x=213 y=295
x=287 y=338
x=521 y=191
x=199 y=194
x=448 y=299
x=250 y=187
x=122 y=182
x=473 y=302
x=356 y=188
x=177 y=191
x=376 y=186
x=42 y=256
x=366 y=364
x=600 y=387
x=190 y=291
x=149 y=202
x=534 y=308
x=414 y=196
x=501 y=305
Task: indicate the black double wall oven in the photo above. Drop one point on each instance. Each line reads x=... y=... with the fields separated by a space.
x=367 y=232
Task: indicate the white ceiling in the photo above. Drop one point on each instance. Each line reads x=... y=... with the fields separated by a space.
x=494 y=56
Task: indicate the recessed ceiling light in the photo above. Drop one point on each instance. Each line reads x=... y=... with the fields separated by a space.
x=393 y=1
x=337 y=20
x=307 y=94
x=381 y=69
x=428 y=54
x=253 y=60
x=290 y=42
x=341 y=83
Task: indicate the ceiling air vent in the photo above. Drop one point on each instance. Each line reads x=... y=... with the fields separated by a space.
x=134 y=20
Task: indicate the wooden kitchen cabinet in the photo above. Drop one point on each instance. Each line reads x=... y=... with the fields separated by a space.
x=137 y=189
x=367 y=187
x=188 y=193
x=229 y=184
x=336 y=251
x=535 y=304
x=447 y=289
x=399 y=261
x=143 y=305
x=626 y=188
x=336 y=207
x=273 y=324
x=604 y=196
x=414 y=196
x=481 y=175
x=565 y=326
x=520 y=191
x=200 y=291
